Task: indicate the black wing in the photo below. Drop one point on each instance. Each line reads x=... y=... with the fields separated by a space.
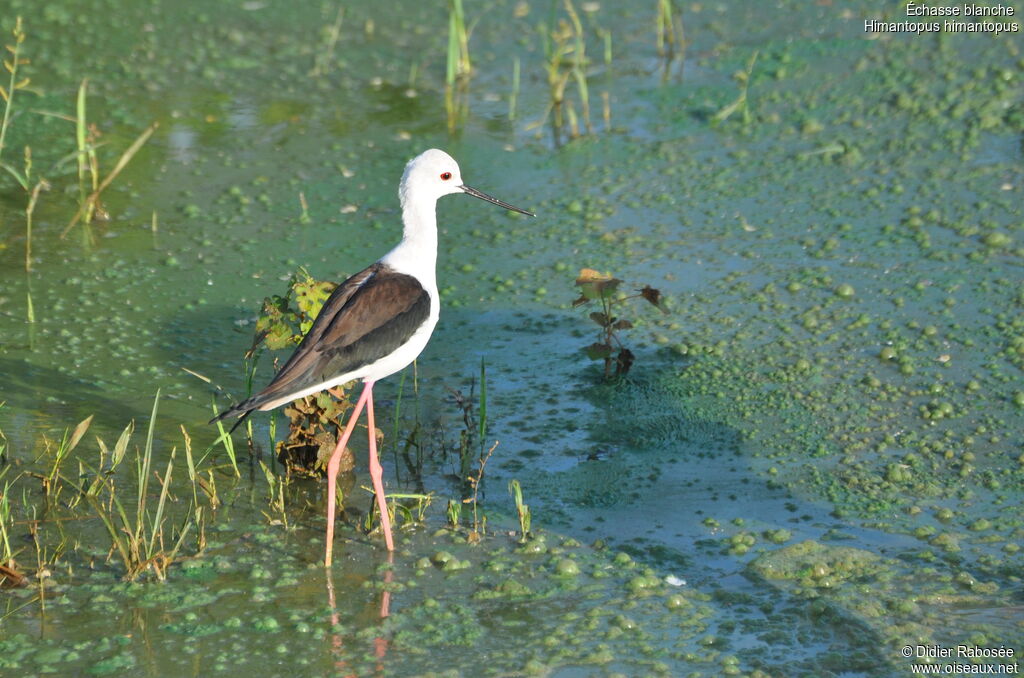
x=366 y=318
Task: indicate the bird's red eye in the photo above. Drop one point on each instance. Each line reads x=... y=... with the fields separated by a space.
x=445 y=176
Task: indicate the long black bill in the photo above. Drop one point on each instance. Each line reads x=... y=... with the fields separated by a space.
x=469 y=190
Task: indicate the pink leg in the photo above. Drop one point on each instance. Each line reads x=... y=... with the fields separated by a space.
x=332 y=469
x=376 y=472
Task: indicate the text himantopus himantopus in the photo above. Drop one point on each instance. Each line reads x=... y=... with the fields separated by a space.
x=375 y=323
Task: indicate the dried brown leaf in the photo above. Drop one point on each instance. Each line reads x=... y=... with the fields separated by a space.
x=654 y=297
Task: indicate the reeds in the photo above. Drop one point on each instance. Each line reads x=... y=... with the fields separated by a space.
x=11 y=63
x=322 y=62
x=225 y=439
x=565 y=60
x=522 y=509
x=278 y=514
x=85 y=142
x=476 y=482
x=143 y=538
x=666 y=38
x=741 y=103
x=458 y=63
x=458 y=67
x=474 y=429
x=6 y=551
x=514 y=96
x=24 y=178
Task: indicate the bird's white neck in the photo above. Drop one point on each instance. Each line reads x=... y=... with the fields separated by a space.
x=416 y=255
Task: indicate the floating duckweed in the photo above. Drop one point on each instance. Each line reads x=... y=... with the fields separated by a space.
x=625 y=623
x=997 y=240
x=845 y=291
x=567 y=567
x=741 y=543
x=441 y=558
x=267 y=623
x=677 y=602
x=533 y=546
x=780 y=536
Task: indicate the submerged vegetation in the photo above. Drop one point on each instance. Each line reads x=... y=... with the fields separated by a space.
x=315 y=421
x=603 y=290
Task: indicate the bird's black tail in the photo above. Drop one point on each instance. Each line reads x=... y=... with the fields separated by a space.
x=242 y=410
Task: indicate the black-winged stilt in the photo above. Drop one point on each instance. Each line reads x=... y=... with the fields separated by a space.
x=375 y=323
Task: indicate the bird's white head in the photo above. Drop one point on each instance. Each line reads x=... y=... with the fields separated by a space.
x=429 y=176
x=434 y=174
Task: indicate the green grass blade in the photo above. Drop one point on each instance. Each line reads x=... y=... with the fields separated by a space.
x=143 y=469
x=483 y=406
x=156 y=532
x=225 y=439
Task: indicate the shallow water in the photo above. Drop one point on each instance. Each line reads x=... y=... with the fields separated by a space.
x=872 y=202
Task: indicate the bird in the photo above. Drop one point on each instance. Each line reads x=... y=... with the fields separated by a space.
x=375 y=323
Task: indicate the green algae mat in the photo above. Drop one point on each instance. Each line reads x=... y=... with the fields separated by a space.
x=815 y=466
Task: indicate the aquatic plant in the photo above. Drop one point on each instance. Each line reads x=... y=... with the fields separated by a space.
x=522 y=509
x=41 y=185
x=565 y=59
x=669 y=37
x=51 y=480
x=86 y=137
x=225 y=439
x=458 y=64
x=403 y=508
x=24 y=177
x=458 y=67
x=454 y=513
x=668 y=30
x=9 y=574
x=741 y=102
x=513 y=97
x=476 y=481
x=85 y=142
x=12 y=63
x=278 y=514
x=474 y=430
x=324 y=57
x=304 y=217
x=603 y=289
x=313 y=421
x=210 y=488
x=144 y=541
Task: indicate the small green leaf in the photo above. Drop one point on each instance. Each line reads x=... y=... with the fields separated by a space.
x=601 y=319
x=80 y=430
x=310 y=296
x=598 y=351
x=18 y=176
x=608 y=288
